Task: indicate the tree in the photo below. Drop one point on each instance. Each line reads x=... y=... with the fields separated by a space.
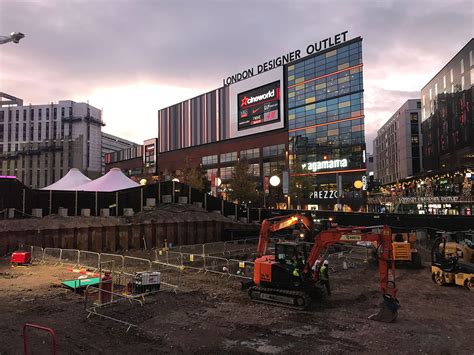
x=195 y=176
x=243 y=186
x=300 y=185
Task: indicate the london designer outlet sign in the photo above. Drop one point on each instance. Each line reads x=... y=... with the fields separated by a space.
x=286 y=58
x=325 y=164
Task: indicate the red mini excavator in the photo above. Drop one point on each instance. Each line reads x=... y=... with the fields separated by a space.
x=275 y=281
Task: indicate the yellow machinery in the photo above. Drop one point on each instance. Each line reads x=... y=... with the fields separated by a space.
x=404 y=250
x=451 y=263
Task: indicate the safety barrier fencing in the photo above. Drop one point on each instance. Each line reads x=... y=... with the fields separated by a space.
x=216 y=265
x=193 y=261
x=241 y=269
x=112 y=260
x=89 y=259
x=69 y=257
x=52 y=255
x=132 y=264
x=97 y=299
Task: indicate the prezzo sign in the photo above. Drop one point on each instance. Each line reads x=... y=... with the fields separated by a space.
x=286 y=58
x=325 y=164
x=324 y=195
x=259 y=106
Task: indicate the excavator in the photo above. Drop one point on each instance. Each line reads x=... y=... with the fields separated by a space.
x=274 y=281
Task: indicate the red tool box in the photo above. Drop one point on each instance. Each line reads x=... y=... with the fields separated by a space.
x=21 y=258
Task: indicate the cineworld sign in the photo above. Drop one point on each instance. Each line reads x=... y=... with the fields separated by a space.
x=325 y=164
x=286 y=58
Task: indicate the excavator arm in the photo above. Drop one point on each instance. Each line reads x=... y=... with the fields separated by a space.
x=278 y=223
x=327 y=238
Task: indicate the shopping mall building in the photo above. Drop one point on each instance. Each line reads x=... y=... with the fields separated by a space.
x=300 y=115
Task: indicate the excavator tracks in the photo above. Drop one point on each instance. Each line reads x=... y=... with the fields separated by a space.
x=284 y=298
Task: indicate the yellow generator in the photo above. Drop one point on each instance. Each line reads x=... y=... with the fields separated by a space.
x=451 y=268
x=404 y=250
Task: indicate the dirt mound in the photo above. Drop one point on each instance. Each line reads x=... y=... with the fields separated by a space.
x=162 y=214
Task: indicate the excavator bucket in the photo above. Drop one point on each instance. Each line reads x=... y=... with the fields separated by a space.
x=388 y=311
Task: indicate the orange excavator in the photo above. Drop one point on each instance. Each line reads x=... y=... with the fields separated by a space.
x=274 y=278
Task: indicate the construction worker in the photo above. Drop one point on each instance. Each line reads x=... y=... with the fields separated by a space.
x=316 y=267
x=324 y=276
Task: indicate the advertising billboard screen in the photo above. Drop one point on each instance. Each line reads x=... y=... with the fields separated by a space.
x=259 y=106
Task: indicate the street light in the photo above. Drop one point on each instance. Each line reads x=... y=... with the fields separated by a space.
x=14 y=37
x=274 y=181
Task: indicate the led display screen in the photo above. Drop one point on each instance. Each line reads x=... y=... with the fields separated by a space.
x=259 y=106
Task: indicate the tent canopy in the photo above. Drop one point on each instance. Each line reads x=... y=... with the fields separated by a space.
x=69 y=182
x=114 y=180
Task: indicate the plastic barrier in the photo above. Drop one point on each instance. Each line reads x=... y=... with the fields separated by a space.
x=89 y=259
x=69 y=257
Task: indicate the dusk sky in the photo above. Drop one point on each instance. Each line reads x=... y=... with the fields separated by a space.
x=131 y=58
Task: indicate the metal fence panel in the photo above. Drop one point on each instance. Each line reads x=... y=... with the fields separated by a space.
x=192 y=249
x=241 y=268
x=193 y=261
x=217 y=248
x=131 y=264
x=37 y=253
x=216 y=264
x=52 y=255
x=235 y=247
x=118 y=261
x=174 y=258
x=70 y=256
x=89 y=259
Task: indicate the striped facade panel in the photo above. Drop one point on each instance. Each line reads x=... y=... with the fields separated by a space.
x=200 y=120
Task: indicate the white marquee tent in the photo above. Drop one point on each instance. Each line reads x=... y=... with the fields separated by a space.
x=114 y=180
x=69 y=182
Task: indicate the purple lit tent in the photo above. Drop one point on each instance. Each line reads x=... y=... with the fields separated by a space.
x=69 y=182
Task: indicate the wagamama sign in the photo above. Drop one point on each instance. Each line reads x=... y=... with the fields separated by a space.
x=325 y=164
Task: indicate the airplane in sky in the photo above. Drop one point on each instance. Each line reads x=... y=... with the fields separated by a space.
x=14 y=37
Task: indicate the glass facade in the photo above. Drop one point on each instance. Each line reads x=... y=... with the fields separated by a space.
x=325 y=115
x=326 y=107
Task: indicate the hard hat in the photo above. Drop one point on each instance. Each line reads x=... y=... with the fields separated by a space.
x=326 y=262
x=318 y=262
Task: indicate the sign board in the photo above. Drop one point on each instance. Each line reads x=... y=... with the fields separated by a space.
x=259 y=106
x=285 y=182
x=325 y=164
x=266 y=184
x=286 y=58
x=323 y=195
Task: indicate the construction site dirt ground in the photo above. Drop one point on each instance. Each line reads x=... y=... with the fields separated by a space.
x=210 y=314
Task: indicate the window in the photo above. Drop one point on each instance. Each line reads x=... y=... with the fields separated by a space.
x=47 y=113
x=273 y=167
x=414 y=140
x=418 y=104
x=254 y=169
x=40 y=113
x=414 y=117
x=274 y=150
x=62 y=111
x=39 y=131
x=228 y=157
x=210 y=173
x=2 y=116
x=209 y=160
x=250 y=153
x=226 y=173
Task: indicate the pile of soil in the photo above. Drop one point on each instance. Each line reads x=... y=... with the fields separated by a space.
x=163 y=213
